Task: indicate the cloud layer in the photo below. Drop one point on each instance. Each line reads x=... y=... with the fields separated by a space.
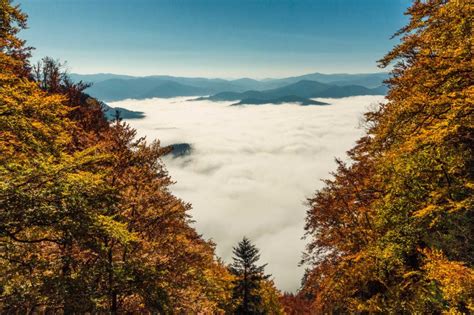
x=253 y=167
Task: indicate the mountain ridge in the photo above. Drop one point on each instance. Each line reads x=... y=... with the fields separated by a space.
x=281 y=100
x=304 y=89
x=114 y=87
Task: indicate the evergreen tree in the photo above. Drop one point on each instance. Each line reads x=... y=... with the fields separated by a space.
x=249 y=278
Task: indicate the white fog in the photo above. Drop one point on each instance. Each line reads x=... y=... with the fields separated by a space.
x=252 y=167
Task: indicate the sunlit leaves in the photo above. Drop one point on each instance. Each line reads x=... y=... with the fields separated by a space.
x=417 y=166
x=87 y=221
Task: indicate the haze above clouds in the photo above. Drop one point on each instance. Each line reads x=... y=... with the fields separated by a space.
x=252 y=167
x=212 y=38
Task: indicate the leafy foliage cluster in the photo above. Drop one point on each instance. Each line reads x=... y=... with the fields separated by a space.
x=87 y=221
x=393 y=230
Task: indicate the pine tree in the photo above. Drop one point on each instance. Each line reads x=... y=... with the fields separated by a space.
x=249 y=278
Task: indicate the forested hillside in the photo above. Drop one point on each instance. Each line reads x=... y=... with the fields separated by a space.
x=392 y=232
x=87 y=220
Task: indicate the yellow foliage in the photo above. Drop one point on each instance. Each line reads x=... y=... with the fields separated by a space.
x=409 y=184
x=456 y=280
x=117 y=230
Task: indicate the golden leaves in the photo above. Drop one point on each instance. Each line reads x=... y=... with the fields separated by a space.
x=117 y=230
x=419 y=163
x=456 y=280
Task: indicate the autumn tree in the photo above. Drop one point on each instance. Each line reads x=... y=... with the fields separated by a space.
x=14 y=53
x=158 y=262
x=87 y=221
x=392 y=231
x=49 y=191
x=295 y=304
x=271 y=298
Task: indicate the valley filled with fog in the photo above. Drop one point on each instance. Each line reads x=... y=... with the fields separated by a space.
x=251 y=168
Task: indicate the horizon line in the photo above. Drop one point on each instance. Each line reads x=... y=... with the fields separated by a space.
x=227 y=78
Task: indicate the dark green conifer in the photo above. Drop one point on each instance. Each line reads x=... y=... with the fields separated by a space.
x=249 y=277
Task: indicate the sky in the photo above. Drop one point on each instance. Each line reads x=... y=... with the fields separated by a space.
x=214 y=38
x=252 y=168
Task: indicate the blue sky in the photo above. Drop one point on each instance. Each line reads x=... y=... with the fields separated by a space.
x=214 y=38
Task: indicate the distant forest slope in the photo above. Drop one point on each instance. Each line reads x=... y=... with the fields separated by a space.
x=303 y=89
x=280 y=100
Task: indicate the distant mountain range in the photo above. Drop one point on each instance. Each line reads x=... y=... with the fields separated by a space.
x=112 y=87
x=368 y=80
x=299 y=92
x=279 y=100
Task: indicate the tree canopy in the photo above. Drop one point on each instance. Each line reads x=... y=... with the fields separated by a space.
x=393 y=230
x=88 y=223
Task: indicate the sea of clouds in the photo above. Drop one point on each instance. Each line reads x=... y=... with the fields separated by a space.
x=252 y=167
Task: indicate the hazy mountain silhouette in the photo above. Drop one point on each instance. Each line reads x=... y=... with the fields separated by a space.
x=351 y=90
x=98 y=77
x=141 y=88
x=304 y=89
x=280 y=100
x=172 y=89
x=368 y=80
x=113 y=87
